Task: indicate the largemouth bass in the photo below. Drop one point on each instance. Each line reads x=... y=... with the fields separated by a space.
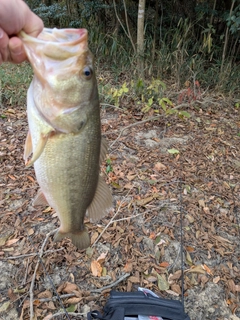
x=64 y=138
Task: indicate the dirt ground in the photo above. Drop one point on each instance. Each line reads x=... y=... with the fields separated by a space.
x=164 y=173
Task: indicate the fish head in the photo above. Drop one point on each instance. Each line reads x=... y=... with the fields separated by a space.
x=64 y=84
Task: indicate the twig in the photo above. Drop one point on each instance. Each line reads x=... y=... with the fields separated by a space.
x=70 y=313
x=146 y=120
x=112 y=219
x=126 y=275
x=26 y=274
x=136 y=215
x=31 y=254
x=70 y=295
x=35 y=272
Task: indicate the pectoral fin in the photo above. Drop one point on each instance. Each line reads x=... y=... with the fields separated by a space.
x=27 y=147
x=39 y=149
x=40 y=199
x=102 y=201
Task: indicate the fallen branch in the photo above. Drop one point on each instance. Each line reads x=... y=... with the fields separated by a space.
x=70 y=295
x=31 y=254
x=69 y=313
x=40 y=254
x=126 y=275
x=146 y=120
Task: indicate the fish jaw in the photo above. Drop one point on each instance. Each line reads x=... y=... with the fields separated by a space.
x=64 y=80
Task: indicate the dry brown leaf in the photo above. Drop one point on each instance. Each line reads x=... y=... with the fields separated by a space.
x=128 y=267
x=216 y=279
x=164 y=264
x=134 y=279
x=45 y=294
x=12 y=241
x=198 y=269
x=201 y=203
x=143 y=202
x=175 y=276
x=176 y=288
x=190 y=218
x=94 y=237
x=74 y=300
x=70 y=287
x=102 y=257
x=160 y=166
x=207 y=269
x=96 y=268
x=190 y=249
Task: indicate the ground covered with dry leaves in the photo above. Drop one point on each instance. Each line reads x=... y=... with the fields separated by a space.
x=160 y=169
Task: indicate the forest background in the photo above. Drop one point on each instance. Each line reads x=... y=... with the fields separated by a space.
x=176 y=40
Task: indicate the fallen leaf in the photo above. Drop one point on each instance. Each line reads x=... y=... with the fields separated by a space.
x=134 y=279
x=11 y=241
x=160 y=166
x=190 y=249
x=94 y=237
x=173 y=151
x=70 y=287
x=143 y=202
x=4 y=306
x=96 y=268
x=207 y=269
x=128 y=267
x=216 y=279
x=102 y=257
x=162 y=282
x=198 y=269
x=164 y=264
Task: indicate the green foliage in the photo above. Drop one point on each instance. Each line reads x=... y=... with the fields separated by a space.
x=185 y=44
x=109 y=167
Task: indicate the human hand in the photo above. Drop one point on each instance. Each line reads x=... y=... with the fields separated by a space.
x=15 y=16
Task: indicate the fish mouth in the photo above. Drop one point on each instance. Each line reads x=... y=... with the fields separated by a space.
x=56 y=44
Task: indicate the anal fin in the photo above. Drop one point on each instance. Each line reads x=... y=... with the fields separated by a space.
x=103 y=150
x=40 y=199
x=102 y=201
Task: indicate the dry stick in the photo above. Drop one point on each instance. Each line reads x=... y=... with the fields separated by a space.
x=31 y=254
x=70 y=295
x=126 y=275
x=112 y=219
x=70 y=314
x=35 y=272
x=146 y=120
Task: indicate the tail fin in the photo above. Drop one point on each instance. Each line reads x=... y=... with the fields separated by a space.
x=80 y=239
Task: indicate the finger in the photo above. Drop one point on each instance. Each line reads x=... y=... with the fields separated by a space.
x=4 y=40
x=34 y=25
x=17 y=53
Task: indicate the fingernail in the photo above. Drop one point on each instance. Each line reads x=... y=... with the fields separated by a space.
x=1 y=33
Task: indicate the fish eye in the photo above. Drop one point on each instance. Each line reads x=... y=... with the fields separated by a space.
x=87 y=72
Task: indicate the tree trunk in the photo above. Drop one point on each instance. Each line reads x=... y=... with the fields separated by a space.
x=140 y=38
